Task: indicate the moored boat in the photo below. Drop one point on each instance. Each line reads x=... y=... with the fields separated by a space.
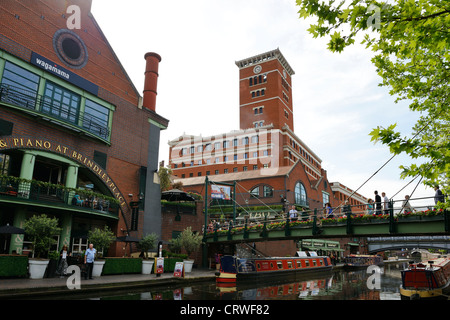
x=355 y=261
x=426 y=280
x=234 y=269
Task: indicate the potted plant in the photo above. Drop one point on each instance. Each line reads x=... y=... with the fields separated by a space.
x=147 y=243
x=191 y=242
x=101 y=239
x=41 y=229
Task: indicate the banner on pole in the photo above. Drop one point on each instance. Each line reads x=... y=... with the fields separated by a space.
x=220 y=192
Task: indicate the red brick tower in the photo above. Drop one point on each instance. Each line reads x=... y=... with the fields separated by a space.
x=265 y=91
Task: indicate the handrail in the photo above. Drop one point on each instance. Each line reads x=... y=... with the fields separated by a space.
x=44 y=105
x=312 y=217
x=38 y=191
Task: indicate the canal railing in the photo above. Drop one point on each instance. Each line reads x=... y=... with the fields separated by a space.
x=344 y=221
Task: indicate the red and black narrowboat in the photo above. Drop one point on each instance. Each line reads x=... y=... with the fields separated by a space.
x=234 y=269
x=426 y=280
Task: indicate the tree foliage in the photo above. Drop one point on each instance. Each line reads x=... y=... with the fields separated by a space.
x=42 y=229
x=101 y=238
x=410 y=40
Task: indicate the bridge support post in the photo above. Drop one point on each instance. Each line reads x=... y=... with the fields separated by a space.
x=315 y=229
x=348 y=213
x=447 y=220
x=392 y=223
x=264 y=232
x=287 y=229
x=246 y=229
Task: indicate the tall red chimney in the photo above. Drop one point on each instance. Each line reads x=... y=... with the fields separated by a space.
x=151 y=80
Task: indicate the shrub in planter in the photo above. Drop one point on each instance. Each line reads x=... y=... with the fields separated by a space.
x=101 y=239
x=41 y=229
x=147 y=243
x=191 y=242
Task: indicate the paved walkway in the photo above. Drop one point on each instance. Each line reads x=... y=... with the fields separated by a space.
x=26 y=288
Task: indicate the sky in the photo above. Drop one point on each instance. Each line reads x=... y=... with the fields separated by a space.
x=336 y=97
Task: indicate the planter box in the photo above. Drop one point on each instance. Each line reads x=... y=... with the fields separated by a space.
x=188 y=265
x=37 y=268
x=13 y=266
x=98 y=268
x=122 y=265
x=147 y=266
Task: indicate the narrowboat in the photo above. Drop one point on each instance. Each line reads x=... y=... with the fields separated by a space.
x=355 y=261
x=426 y=280
x=234 y=269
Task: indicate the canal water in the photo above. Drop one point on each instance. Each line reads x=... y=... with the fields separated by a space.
x=361 y=284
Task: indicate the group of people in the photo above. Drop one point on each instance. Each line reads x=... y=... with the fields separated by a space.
x=380 y=205
x=89 y=257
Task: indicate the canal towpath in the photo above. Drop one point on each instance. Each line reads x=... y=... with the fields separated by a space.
x=23 y=288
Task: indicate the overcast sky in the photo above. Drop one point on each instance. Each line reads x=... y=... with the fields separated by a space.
x=336 y=97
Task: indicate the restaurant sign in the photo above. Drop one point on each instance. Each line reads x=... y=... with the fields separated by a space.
x=19 y=142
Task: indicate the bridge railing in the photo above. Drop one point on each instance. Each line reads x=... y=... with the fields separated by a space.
x=316 y=217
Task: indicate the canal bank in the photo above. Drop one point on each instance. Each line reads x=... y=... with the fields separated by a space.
x=29 y=288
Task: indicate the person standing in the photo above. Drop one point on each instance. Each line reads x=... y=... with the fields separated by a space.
x=293 y=214
x=385 y=203
x=89 y=258
x=370 y=206
x=407 y=206
x=62 y=266
x=438 y=196
x=377 y=203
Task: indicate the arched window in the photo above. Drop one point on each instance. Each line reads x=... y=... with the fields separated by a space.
x=300 y=194
x=255 y=192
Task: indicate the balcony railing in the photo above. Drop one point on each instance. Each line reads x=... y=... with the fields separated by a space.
x=56 y=195
x=48 y=107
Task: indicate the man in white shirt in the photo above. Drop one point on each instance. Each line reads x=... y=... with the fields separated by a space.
x=385 y=203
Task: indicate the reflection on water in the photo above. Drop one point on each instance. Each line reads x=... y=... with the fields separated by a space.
x=338 y=285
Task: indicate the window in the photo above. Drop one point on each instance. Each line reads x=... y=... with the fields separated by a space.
x=21 y=85
x=245 y=141
x=61 y=103
x=235 y=142
x=255 y=192
x=96 y=118
x=267 y=191
x=300 y=194
x=279 y=265
x=325 y=197
x=4 y=164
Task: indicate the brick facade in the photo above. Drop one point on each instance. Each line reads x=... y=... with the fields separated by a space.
x=28 y=27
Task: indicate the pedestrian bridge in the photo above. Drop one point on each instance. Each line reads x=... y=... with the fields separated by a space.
x=376 y=244
x=428 y=222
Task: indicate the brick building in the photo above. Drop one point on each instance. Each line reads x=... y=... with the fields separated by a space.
x=265 y=156
x=72 y=123
x=269 y=163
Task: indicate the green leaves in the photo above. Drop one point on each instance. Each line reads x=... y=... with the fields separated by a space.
x=411 y=42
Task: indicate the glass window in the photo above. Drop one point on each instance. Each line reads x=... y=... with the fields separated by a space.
x=255 y=192
x=300 y=194
x=19 y=86
x=96 y=119
x=268 y=191
x=4 y=164
x=61 y=103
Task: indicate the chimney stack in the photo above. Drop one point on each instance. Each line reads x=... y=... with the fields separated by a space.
x=151 y=80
